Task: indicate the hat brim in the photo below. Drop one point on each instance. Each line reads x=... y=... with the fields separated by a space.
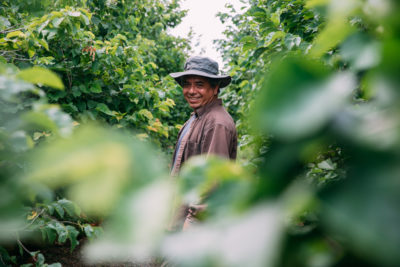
x=224 y=79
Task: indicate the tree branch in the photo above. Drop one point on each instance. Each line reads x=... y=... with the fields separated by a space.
x=11 y=30
x=22 y=245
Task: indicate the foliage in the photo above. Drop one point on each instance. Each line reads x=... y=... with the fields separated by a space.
x=26 y=121
x=267 y=29
x=113 y=57
x=105 y=53
x=312 y=108
x=323 y=147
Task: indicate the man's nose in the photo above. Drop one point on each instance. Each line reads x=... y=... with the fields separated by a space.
x=191 y=89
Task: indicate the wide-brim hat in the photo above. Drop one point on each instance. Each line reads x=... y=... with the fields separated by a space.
x=202 y=66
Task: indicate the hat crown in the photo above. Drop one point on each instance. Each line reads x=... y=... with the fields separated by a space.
x=204 y=64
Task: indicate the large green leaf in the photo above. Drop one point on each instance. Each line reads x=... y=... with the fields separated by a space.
x=104 y=108
x=41 y=76
x=249 y=42
x=364 y=208
x=299 y=97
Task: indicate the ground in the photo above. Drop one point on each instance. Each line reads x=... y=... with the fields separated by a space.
x=62 y=254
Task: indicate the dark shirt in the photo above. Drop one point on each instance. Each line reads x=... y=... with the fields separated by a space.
x=212 y=131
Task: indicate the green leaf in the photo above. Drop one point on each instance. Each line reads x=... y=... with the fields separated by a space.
x=292 y=41
x=70 y=207
x=84 y=89
x=336 y=31
x=88 y=230
x=104 y=108
x=15 y=34
x=74 y=13
x=243 y=83
x=85 y=19
x=40 y=259
x=326 y=165
x=45 y=45
x=76 y=92
x=95 y=88
x=296 y=107
x=50 y=234
x=41 y=76
x=92 y=104
x=275 y=18
x=31 y=52
x=146 y=113
x=62 y=236
x=364 y=208
x=59 y=210
x=249 y=42
x=4 y=23
x=154 y=66
x=273 y=36
x=72 y=236
x=50 y=209
x=57 y=21
x=92 y=232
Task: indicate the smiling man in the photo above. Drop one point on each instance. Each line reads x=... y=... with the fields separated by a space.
x=210 y=129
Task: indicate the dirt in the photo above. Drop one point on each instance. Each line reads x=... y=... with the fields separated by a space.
x=63 y=255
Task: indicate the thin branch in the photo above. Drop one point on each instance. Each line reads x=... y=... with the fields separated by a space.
x=73 y=223
x=2 y=261
x=68 y=72
x=11 y=51
x=33 y=220
x=22 y=245
x=23 y=59
x=11 y=30
x=55 y=219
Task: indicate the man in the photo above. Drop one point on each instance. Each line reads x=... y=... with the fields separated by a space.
x=210 y=130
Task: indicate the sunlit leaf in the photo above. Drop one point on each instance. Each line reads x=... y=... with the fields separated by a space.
x=15 y=34
x=147 y=114
x=41 y=76
x=249 y=42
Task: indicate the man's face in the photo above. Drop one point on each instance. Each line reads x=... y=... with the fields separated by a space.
x=197 y=91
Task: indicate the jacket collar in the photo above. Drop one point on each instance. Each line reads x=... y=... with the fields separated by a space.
x=202 y=110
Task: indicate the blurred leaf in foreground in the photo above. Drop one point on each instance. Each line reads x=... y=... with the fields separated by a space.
x=363 y=210
x=250 y=240
x=137 y=226
x=220 y=183
x=41 y=76
x=299 y=97
x=95 y=166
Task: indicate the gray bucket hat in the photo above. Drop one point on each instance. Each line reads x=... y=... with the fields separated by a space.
x=202 y=66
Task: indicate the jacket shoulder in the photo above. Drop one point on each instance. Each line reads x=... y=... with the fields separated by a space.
x=219 y=116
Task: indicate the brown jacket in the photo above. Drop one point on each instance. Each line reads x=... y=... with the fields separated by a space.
x=213 y=131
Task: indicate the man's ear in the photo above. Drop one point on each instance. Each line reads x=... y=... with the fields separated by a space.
x=216 y=89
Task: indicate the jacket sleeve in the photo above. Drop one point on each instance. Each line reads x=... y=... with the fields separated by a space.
x=218 y=140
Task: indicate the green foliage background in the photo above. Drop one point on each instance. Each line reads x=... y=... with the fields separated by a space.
x=112 y=56
x=315 y=96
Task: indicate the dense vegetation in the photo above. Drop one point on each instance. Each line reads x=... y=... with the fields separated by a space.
x=315 y=96
x=111 y=57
